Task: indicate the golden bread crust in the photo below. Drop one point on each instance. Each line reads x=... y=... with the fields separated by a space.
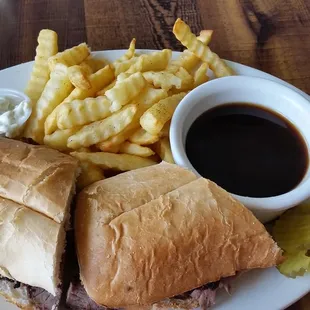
x=37 y=177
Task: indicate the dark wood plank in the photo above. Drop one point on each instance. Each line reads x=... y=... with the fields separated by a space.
x=9 y=25
x=112 y=24
x=302 y=304
x=273 y=36
x=21 y=21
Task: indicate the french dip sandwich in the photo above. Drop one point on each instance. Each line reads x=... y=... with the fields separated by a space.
x=159 y=237
x=36 y=187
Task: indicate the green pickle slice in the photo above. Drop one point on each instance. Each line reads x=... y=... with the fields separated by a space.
x=292 y=233
x=295 y=264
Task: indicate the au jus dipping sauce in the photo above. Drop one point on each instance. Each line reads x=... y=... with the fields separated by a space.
x=248 y=150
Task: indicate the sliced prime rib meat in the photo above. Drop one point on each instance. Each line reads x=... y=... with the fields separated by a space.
x=203 y=296
x=78 y=299
x=42 y=299
x=25 y=295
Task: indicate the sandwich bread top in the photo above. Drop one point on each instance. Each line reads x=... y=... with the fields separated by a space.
x=37 y=177
x=130 y=190
x=162 y=232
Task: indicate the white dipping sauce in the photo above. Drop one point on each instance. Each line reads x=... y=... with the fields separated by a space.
x=14 y=112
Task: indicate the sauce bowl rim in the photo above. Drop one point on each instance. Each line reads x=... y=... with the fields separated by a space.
x=274 y=203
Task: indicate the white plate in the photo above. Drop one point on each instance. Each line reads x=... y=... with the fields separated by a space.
x=255 y=290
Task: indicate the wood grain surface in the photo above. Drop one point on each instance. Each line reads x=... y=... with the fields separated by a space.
x=270 y=35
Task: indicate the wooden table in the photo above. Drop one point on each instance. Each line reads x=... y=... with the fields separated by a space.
x=270 y=35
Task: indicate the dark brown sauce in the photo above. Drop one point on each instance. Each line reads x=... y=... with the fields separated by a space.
x=247 y=150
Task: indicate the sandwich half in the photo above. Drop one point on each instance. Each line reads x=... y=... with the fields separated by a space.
x=159 y=237
x=36 y=188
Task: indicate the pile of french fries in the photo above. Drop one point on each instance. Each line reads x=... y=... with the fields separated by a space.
x=117 y=115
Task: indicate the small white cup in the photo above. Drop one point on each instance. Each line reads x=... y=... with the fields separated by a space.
x=12 y=123
x=258 y=91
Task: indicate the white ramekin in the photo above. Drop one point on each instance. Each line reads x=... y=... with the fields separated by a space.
x=262 y=92
x=13 y=121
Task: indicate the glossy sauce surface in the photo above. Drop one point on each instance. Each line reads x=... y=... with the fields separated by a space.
x=247 y=150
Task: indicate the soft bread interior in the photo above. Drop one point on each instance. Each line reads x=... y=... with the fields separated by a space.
x=177 y=241
x=31 y=245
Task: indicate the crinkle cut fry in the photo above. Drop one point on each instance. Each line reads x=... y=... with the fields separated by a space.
x=183 y=33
